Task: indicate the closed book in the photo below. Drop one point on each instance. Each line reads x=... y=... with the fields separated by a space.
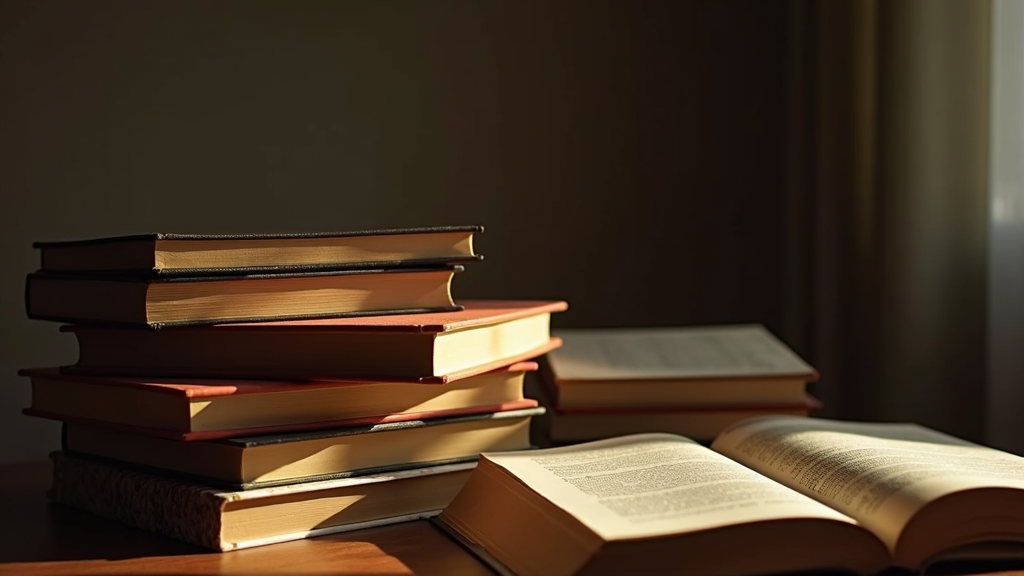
x=199 y=409
x=428 y=348
x=217 y=254
x=679 y=366
x=200 y=300
x=229 y=520
x=275 y=459
x=699 y=422
x=702 y=423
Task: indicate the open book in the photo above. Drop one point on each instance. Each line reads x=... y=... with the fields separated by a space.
x=772 y=494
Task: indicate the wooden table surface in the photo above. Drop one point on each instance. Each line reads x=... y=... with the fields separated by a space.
x=41 y=538
x=38 y=537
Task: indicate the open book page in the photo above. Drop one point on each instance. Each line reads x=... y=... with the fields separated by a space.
x=880 y=474
x=655 y=484
x=696 y=352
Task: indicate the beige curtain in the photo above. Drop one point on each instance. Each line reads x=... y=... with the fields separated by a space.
x=888 y=173
x=1006 y=229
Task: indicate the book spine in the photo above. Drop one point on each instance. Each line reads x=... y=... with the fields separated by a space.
x=180 y=510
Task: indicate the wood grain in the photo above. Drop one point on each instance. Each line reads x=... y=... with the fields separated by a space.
x=41 y=538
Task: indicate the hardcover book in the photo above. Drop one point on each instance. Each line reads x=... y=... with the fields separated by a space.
x=217 y=254
x=276 y=459
x=230 y=520
x=184 y=409
x=628 y=368
x=198 y=300
x=788 y=494
x=701 y=423
x=428 y=348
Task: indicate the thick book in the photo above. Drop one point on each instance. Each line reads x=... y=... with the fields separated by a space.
x=275 y=459
x=428 y=348
x=785 y=494
x=674 y=366
x=229 y=520
x=701 y=423
x=218 y=254
x=204 y=409
x=199 y=300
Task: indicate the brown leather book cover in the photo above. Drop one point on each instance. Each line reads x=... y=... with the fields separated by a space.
x=87 y=299
x=279 y=361
x=186 y=390
x=304 y=427
x=810 y=403
x=550 y=345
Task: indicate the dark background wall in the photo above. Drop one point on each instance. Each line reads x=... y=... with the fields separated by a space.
x=627 y=157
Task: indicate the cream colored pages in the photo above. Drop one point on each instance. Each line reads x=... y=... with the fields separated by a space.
x=880 y=474
x=655 y=484
x=689 y=352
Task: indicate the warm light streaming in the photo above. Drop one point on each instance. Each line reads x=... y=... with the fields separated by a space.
x=384 y=563
x=1007 y=205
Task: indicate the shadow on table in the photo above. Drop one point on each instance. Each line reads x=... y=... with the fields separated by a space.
x=69 y=534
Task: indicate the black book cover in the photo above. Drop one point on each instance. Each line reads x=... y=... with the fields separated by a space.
x=277 y=269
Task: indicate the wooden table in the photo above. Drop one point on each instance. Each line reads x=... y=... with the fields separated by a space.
x=40 y=538
x=37 y=538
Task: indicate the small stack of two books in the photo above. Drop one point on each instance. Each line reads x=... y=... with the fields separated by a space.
x=247 y=413
x=694 y=381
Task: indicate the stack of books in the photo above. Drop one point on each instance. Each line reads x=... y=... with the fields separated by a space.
x=234 y=391
x=691 y=381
